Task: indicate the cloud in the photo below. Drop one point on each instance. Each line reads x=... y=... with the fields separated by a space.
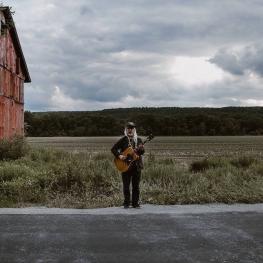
x=102 y=54
x=194 y=71
x=229 y=61
x=239 y=62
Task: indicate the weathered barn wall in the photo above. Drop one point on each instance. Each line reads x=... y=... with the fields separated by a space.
x=11 y=118
x=11 y=87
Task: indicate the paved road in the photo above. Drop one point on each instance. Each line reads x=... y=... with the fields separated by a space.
x=209 y=233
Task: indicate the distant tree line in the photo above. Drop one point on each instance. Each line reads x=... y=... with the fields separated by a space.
x=166 y=121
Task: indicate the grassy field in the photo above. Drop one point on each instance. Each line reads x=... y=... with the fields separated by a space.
x=79 y=172
x=179 y=148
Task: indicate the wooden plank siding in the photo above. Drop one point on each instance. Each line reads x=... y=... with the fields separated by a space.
x=12 y=81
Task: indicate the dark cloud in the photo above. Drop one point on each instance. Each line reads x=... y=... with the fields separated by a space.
x=247 y=59
x=228 y=61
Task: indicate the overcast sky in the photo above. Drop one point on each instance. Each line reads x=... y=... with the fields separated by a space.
x=97 y=54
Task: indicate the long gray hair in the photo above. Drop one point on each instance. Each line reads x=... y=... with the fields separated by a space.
x=135 y=137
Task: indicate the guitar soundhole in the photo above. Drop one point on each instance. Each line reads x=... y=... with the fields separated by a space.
x=128 y=159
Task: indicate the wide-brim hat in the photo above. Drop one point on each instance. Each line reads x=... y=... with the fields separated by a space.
x=130 y=124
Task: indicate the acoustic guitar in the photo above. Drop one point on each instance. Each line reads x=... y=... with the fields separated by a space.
x=131 y=156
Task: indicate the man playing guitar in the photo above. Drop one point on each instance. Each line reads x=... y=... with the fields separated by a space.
x=133 y=174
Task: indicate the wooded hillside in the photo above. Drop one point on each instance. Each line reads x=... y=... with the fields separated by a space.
x=166 y=121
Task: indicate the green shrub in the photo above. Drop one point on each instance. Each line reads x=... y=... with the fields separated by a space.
x=202 y=165
x=47 y=155
x=243 y=161
x=19 y=182
x=67 y=177
x=14 y=148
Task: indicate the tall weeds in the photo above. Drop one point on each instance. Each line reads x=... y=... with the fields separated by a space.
x=62 y=179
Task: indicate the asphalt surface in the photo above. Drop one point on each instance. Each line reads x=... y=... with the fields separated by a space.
x=208 y=233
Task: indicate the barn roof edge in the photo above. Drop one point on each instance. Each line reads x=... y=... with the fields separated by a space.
x=8 y=15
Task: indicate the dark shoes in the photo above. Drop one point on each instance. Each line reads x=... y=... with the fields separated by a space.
x=136 y=206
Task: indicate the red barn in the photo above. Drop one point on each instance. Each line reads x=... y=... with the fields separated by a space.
x=13 y=74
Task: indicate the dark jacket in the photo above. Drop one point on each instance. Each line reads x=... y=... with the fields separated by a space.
x=122 y=144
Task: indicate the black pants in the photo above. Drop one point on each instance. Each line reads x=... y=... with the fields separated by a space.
x=134 y=176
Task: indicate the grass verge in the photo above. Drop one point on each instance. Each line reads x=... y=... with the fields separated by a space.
x=81 y=180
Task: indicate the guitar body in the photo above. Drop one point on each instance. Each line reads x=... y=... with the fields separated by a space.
x=131 y=156
x=124 y=165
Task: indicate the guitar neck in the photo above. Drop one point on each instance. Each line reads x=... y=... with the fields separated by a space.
x=147 y=140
